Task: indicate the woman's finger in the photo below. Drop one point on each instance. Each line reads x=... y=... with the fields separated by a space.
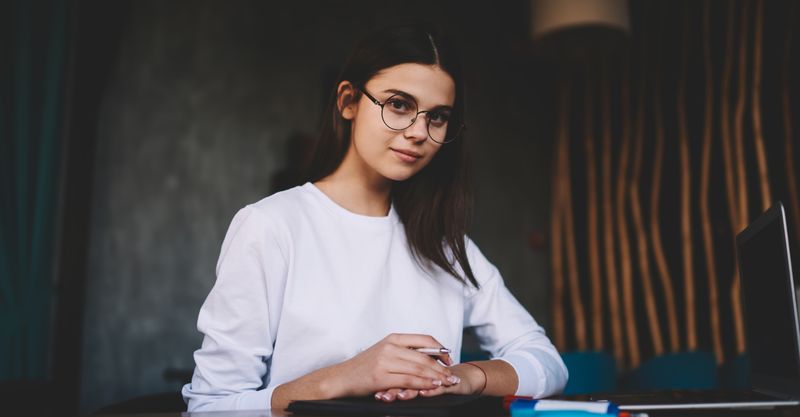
x=390 y=394
x=447 y=359
x=452 y=389
x=410 y=362
x=443 y=359
x=425 y=361
x=413 y=340
x=432 y=392
x=407 y=394
x=416 y=370
x=407 y=381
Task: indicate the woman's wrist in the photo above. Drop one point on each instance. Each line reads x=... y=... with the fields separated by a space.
x=319 y=385
x=329 y=384
x=475 y=376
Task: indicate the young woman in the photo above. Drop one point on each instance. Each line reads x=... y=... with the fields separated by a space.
x=331 y=288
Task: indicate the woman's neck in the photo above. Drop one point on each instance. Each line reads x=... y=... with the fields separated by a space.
x=357 y=193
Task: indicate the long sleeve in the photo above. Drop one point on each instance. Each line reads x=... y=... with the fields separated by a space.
x=303 y=284
x=239 y=319
x=509 y=333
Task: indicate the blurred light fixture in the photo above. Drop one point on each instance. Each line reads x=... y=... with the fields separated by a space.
x=549 y=16
x=579 y=29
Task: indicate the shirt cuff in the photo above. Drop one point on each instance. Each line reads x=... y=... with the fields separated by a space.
x=540 y=375
x=256 y=400
x=530 y=377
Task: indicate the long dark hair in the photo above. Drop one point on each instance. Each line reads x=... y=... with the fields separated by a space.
x=434 y=204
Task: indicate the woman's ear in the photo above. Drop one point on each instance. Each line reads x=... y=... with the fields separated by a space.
x=346 y=100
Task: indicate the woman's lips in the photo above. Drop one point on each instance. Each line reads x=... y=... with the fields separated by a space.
x=406 y=156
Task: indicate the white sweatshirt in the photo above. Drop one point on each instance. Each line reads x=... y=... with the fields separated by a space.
x=303 y=283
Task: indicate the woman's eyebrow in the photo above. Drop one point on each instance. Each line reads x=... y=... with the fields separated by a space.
x=400 y=92
x=407 y=95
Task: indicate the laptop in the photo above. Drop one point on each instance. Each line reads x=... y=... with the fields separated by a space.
x=771 y=328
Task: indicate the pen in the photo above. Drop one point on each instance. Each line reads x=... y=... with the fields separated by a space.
x=433 y=351
x=570 y=413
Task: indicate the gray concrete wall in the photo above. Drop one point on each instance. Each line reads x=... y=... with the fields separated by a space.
x=195 y=122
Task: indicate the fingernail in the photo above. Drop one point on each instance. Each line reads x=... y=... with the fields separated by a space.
x=377 y=396
x=453 y=379
x=386 y=397
x=437 y=382
x=423 y=392
x=401 y=394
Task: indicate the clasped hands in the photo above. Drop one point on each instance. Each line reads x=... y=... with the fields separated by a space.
x=392 y=370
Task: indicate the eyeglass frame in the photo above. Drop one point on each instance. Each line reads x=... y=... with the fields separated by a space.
x=375 y=101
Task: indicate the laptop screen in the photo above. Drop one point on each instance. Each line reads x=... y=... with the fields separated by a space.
x=769 y=300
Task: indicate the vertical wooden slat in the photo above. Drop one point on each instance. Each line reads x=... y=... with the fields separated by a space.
x=641 y=239
x=686 y=201
x=625 y=253
x=755 y=108
x=725 y=121
x=591 y=218
x=741 y=165
x=791 y=177
x=705 y=176
x=738 y=122
x=556 y=219
x=579 y=317
x=655 y=229
x=608 y=221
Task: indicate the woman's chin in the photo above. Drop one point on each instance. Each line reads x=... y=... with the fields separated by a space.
x=399 y=175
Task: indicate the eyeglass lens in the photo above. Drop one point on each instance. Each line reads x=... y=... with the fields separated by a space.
x=401 y=112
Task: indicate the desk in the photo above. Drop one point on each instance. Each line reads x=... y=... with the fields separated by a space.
x=779 y=412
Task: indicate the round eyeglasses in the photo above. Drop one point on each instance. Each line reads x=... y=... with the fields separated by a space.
x=400 y=111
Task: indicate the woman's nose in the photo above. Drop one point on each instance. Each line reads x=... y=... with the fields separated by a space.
x=418 y=130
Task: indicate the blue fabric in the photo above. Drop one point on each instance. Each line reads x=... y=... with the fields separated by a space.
x=590 y=372
x=31 y=117
x=474 y=355
x=734 y=374
x=685 y=370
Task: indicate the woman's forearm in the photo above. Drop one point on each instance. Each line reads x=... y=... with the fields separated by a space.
x=318 y=385
x=389 y=363
x=501 y=378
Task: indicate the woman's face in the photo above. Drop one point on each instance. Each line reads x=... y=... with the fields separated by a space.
x=398 y=154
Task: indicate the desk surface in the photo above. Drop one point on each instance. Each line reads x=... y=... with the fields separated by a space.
x=778 y=412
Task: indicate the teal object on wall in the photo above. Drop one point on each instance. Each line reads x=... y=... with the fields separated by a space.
x=734 y=374
x=31 y=118
x=590 y=372
x=474 y=355
x=685 y=370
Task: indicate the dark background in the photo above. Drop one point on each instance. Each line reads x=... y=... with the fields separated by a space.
x=178 y=113
x=197 y=104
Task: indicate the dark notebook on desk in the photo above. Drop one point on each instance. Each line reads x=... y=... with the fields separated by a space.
x=771 y=327
x=441 y=406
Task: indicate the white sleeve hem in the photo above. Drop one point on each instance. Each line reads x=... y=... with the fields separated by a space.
x=529 y=371
x=247 y=400
x=255 y=400
x=268 y=396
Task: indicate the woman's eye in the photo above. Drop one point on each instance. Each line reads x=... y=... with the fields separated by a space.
x=399 y=105
x=439 y=118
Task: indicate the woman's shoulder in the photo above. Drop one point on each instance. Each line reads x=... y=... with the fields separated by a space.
x=483 y=269
x=474 y=253
x=276 y=211
x=283 y=202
